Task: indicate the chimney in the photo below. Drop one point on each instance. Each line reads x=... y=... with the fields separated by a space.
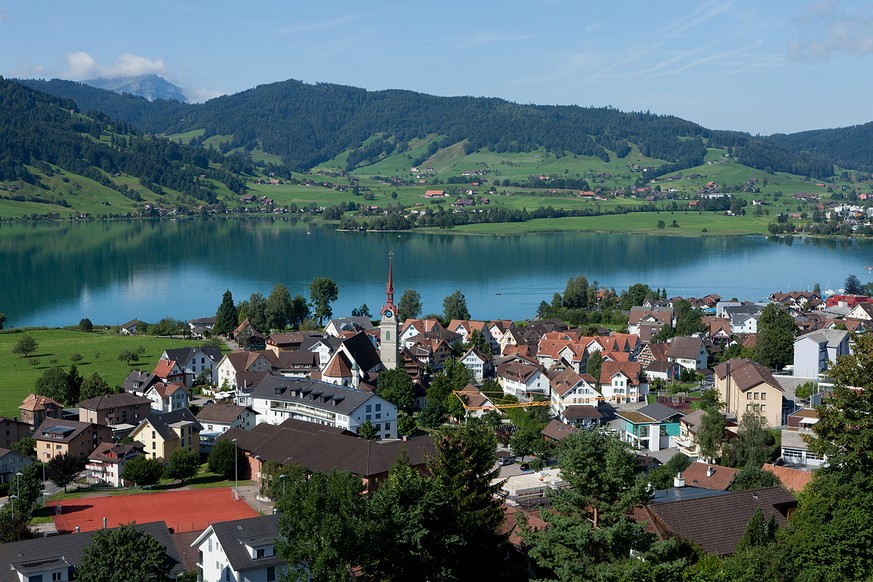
x=678 y=480
x=709 y=471
x=104 y=523
x=77 y=529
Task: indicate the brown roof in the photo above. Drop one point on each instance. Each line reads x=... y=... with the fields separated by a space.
x=582 y=411
x=746 y=374
x=220 y=413
x=473 y=397
x=339 y=367
x=610 y=368
x=792 y=479
x=35 y=402
x=557 y=430
x=717 y=523
x=109 y=452
x=719 y=480
x=565 y=381
x=165 y=390
x=685 y=348
x=109 y=401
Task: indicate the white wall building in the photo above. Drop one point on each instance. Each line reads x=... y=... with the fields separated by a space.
x=243 y=550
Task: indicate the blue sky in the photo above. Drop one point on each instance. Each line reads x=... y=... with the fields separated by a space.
x=761 y=67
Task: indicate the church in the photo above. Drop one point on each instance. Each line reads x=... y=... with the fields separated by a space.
x=389 y=326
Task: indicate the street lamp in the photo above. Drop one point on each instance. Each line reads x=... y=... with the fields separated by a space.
x=12 y=498
x=18 y=476
x=44 y=491
x=282 y=477
x=235 y=469
x=260 y=482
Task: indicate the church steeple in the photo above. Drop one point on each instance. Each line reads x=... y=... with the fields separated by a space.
x=389 y=291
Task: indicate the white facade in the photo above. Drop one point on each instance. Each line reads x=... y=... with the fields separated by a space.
x=475 y=364
x=814 y=351
x=215 y=566
x=160 y=403
x=581 y=394
x=536 y=383
x=621 y=390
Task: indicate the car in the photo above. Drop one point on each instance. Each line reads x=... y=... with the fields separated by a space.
x=504 y=461
x=524 y=467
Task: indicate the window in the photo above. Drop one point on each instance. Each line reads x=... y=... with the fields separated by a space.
x=271 y=573
x=763 y=396
x=748 y=395
x=387 y=426
x=35 y=578
x=260 y=553
x=57 y=576
x=369 y=408
x=378 y=407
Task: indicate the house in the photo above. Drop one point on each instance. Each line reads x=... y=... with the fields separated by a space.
x=278 y=399
x=640 y=316
x=717 y=523
x=12 y=463
x=299 y=364
x=12 y=431
x=221 y=417
x=795 y=480
x=359 y=360
x=743 y=317
x=167 y=397
x=522 y=380
x=795 y=449
x=164 y=433
x=478 y=363
x=169 y=371
x=106 y=462
x=663 y=370
x=556 y=430
x=709 y=476
x=325 y=448
x=58 y=437
x=35 y=409
x=55 y=558
x=466 y=327
x=746 y=386
x=650 y=427
x=243 y=549
x=583 y=415
x=569 y=388
x=247 y=335
x=237 y=362
x=688 y=352
x=717 y=329
x=530 y=490
x=620 y=382
x=111 y=409
x=413 y=327
x=195 y=362
x=335 y=327
x=130 y=327
x=815 y=351
x=201 y=326
x=137 y=382
x=475 y=402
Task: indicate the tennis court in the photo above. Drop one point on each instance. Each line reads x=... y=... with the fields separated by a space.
x=184 y=511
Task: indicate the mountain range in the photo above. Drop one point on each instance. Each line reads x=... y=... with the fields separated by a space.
x=150 y=87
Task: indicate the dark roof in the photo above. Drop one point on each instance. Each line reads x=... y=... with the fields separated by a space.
x=581 y=411
x=184 y=354
x=325 y=450
x=163 y=422
x=685 y=347
x=139 y=381
x=59 y=430
x=337 y=399
x=70 y=547
x=119 y=452
x=717 y=523
x=659 y=411
x=113 y=401
x=363 y=351
x=233 y=536
x=221 y=412
x=557 y=430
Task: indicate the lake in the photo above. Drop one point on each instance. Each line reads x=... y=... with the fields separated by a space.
x=56 y=273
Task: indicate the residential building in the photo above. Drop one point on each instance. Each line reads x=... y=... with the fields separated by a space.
x=106 y=462
x=111 y=409
x=278 y=399
x=35 y=409
x=221 y=417
x=195 y=361
x=556 y=430
x=709 y=476
x=814 y=352
x=571 y=389
x=235 y=363
x=130 y=327
x=688 y=352
x=620 y=382
x=795 y=449
x=12 y=463
x=57 y=437
x=746 y=386
x=164 y=433
x=137 y=382
x=522 y=380
x=475 y=402
x=12 y=431
x=201 y=326
x=243 y=549
x=55 y=558
x=167 y=397
x=650 y=427
x=744 y=317
x=716 y=523
x=478 y=363
x=335 y=327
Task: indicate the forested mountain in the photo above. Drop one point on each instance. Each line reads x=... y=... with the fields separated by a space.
x=306 y=125
x=850 y=147
x=42 y=131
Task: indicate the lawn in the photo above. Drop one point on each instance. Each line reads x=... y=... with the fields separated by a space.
x=99 y=351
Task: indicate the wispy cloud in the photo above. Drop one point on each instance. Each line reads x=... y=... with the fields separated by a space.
x=198 y=95
x=305 y=27
x=825 y=28
x=81 y=65
x=493 y=37
x=696 y=17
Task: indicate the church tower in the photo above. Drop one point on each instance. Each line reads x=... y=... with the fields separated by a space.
x=389 y=327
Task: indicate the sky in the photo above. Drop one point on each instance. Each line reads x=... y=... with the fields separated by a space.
x=757 y=66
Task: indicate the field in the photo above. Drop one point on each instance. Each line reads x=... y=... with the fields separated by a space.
x=99 y=351
x=184 y=511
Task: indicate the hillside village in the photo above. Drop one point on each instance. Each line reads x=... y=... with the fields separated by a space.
x=361 y=394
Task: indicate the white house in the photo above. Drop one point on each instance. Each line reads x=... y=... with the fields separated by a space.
x=815 y=350
x=234 y=363
x=106 y=462
x=337 y=326
x=240 y=550
x=221 y=417
x=688 y=352
x=277 y=399
x=167 y=397
x=195 y=361
x=570 y=388
x=478 y=363
x=524 y=381
x=620 y=382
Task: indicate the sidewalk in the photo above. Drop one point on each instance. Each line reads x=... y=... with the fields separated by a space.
x=248 y=493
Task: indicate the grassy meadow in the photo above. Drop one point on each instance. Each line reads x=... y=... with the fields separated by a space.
x=99 y=351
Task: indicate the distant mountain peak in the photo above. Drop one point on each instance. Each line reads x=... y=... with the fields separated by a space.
x=150 y=87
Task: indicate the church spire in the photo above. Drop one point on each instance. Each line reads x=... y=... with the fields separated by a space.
x=389 y=291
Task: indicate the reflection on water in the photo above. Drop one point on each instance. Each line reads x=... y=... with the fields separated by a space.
x=110 y=272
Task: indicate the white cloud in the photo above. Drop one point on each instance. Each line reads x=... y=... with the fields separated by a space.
x=81 y=65
x=198 y=95
x=825 y=28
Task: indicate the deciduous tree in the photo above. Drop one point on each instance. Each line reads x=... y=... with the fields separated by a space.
x=25 y=346
x=52 y=383
x=279 y=307
x=225 y=458
x=776 y=332
x=323 y=291
x=183 y=464
x=124 y=554
x=63 y=469
x=143 y=471
x=396 y=387
x=409 y=306
x=455 y=306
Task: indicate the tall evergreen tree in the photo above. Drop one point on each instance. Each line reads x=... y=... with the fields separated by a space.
x=225 y=317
